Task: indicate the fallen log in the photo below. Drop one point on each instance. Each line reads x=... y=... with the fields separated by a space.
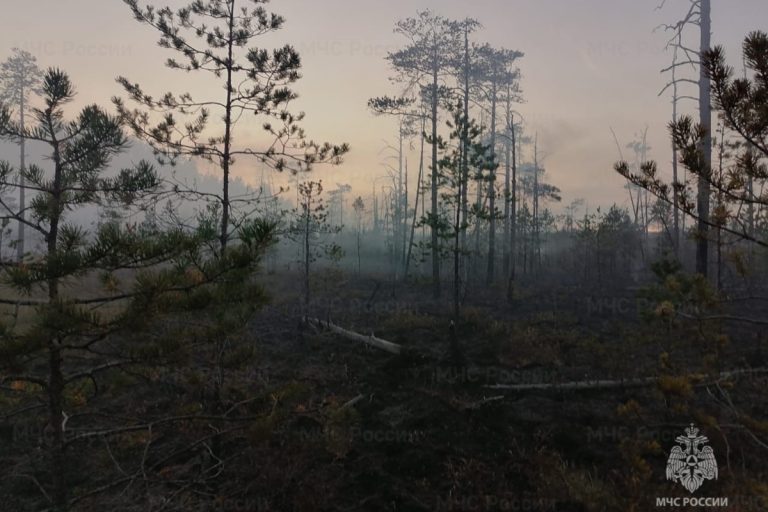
x=477 y=405
x=582 y=384
x=352 y=402
x=388 y=346
x=621 y=383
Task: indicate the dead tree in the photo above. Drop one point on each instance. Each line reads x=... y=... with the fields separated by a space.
x=20 y=77
x=699 y=14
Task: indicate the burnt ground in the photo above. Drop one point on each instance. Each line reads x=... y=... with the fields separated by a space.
x=356 y=428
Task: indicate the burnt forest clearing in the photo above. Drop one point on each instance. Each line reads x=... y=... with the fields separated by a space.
x=205 y=306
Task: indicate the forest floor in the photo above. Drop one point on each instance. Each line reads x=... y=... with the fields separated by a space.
x=327 y=423
x=424 y=430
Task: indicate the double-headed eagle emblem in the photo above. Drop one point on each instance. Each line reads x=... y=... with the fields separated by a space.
x=691 y=462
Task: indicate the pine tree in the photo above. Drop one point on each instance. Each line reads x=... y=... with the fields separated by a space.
x=215 y=37
x=19 y=79
x=699 y=14
x=705 y=143
x=741 y=103
x=435 y=42
x=494 y=72
x=309 y=225
x=66 y=353
x=463 y=149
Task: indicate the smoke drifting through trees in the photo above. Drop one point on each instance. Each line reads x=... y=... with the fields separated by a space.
x=456 y=332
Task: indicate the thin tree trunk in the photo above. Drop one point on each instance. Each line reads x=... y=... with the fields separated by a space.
x=399 y=220
x=376 y=211
x=307 y=207
x=720 y=156
x=457 y=247
x=435 y=170
x=513 y=214
x=750 y=189
x=478 y=209
x=492 y=193
x=465 y=155
x=423 y=214
x=507 y=171
x=22 y=188
x=418 y=194
x=405 y=248
x=55 y=375
x=705 y=111
x=536 y=253
x=676 y=206
x=226 y=157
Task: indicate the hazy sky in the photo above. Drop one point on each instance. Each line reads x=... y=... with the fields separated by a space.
x=589 y=65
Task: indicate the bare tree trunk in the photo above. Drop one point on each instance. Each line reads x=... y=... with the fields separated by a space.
x=375 y=210
x=435 y=237
x=405 y=248
x=398 y=235
x=683 y=217
x=478 y=208
x=750 y=188
x=423 y=268
x=419 y=194
x=464 y=199
x=536 y=254
x=55 y=374
x=489 y=276
x=720 y=157
x=751 y=208
x=306 y=256
x=507 y=171
x=513 y=214
x=676 y=205
x=457 y=245
x=22 y=188
x=705 y=111
x=226 y=158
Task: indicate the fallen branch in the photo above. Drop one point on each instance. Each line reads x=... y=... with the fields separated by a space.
x=622 y=383
x=477 y=405
x=352 y=402
x=388 y=346
x=725 y=318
